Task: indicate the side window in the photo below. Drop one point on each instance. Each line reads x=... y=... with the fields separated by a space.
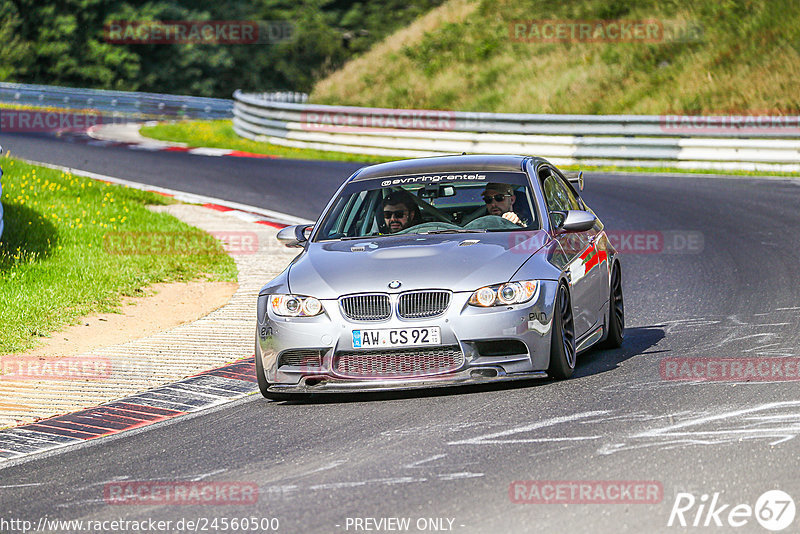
x=351 y=214
x=573 y=201
x=554 y=195
x=557 y=195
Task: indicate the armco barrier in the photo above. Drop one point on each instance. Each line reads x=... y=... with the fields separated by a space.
x=126 y=104
x=723 y=142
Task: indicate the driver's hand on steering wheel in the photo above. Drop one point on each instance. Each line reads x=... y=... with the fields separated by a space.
x=513 y=217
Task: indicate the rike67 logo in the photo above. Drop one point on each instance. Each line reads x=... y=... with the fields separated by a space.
x=774 y=510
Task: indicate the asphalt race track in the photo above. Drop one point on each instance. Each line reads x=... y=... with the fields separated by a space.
x=718 y=280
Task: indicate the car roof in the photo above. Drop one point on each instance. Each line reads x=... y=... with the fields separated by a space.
x=460 y=163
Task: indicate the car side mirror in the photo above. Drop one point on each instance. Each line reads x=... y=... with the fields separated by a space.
x=577 y=221
x=295 y=236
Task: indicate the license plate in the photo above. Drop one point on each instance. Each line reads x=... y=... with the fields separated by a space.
x=396 y=337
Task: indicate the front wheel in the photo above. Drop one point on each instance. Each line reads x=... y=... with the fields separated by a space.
x=616 y=311
x=562 y=342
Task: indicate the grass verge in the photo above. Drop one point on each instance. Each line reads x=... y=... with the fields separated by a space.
x=707 y=57
x=220 y=134
x=55 y=262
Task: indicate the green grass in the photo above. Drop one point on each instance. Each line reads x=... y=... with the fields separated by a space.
x=714 y=56
x=56 y=264
x=220 y=134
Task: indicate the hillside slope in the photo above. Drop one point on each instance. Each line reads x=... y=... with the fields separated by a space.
x=712 y=56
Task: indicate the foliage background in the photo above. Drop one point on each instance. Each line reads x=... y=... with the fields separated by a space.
x=717 y=57
x=62 y=43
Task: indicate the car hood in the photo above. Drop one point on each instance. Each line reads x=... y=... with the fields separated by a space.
x=459 y=262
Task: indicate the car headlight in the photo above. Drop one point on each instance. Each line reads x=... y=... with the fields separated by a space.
x=505 y=294
x=295 y=306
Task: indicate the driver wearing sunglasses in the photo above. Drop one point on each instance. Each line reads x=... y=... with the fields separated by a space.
x=400 y=211
x=499 y=199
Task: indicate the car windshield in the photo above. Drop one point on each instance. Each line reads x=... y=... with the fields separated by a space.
x=427 y=204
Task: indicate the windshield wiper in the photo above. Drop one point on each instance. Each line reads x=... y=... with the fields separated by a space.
x=454 y=231
x=353 y=237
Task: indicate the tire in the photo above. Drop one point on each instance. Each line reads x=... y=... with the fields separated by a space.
x=616 y=311
x=562 y=342
x=263 y=385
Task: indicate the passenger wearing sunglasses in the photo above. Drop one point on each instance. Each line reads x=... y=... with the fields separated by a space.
x=499 y=199
x=400 y=211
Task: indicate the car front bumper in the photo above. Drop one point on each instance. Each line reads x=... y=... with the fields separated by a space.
x=474 y=332
x=471 y=376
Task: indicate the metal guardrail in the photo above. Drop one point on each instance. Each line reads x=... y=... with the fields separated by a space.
x=283 y=96
x=117 y=103
x=768 y=143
